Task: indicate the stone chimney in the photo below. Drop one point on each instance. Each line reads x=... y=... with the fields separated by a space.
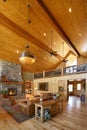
x=10 y=76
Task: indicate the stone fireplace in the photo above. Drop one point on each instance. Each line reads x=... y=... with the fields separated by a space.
x=10 y=78
x=12 y=91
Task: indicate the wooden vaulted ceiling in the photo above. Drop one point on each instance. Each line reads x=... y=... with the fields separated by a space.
x=68 y=28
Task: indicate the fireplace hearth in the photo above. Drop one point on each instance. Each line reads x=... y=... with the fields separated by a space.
x=12 y=91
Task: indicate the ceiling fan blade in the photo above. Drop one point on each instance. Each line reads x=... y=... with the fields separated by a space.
x=65 y=61
x=53 y=53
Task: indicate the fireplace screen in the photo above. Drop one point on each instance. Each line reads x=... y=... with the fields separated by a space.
x=12 y=91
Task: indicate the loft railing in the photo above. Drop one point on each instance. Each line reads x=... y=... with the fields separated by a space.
x=65 y=71
x=51 y=73
x=75 y=69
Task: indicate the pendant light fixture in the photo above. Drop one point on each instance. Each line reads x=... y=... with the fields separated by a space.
x=26 y=56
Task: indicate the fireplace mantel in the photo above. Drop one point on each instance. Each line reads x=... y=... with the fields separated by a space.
x=5 y=82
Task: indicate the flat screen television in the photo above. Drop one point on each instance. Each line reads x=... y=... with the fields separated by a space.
x=43 y=86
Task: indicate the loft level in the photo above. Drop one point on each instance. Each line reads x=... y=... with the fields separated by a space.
x=62 y=71
x=75 y=69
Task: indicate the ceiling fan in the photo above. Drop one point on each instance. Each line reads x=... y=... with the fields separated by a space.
x=52 y=52
x=64 y=60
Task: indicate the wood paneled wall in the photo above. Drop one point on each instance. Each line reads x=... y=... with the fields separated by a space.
x=55 y=82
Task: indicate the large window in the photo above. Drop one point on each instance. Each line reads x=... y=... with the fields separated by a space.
x=79 y=86
x=70 y=87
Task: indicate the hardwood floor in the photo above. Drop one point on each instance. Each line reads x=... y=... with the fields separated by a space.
x=73 y=117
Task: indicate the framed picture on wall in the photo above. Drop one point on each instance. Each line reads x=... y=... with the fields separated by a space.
x=43 y=86
x=61 y=89
x=61 y=85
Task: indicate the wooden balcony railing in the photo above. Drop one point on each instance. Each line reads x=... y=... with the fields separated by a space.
x=58 y=72
x=75 y=69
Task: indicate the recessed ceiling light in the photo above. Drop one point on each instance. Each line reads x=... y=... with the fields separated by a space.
x=80 y=34
x=70 y=10
x=84 y=49
x=44 y=34
x=17 y=51
x=44 y=58
x=54 y=43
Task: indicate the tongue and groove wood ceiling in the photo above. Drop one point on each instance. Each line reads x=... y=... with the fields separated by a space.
x=69 y=37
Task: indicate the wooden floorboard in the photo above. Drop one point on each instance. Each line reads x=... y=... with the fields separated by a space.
x=73 y=117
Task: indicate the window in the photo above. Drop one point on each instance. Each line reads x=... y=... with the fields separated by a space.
x=70 y=87
x=78 y=86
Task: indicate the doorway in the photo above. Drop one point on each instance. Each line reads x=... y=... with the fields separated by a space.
x=76 y=88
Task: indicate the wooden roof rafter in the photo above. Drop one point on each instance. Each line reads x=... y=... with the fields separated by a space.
x=70 y=52
x=17 y=29
x=57 y=27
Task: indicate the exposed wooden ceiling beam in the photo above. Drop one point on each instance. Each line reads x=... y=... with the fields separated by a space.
x=72 y=53
x=67 y=55
x=58 y=27
x=17 y=29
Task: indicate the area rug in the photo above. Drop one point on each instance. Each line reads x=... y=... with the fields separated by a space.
x=16 y=113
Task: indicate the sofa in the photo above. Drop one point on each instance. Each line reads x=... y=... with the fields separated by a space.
x=47 y=96
x=5 y=102
x=28 y=107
